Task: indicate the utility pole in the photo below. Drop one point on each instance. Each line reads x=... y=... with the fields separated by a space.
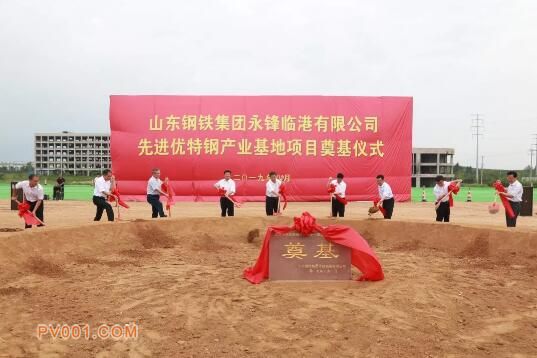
x=477 y=126
x=482 y=165
x=535 y=145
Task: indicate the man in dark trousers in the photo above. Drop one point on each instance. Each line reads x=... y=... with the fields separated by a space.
x=386 y=197
x=154 y=191
x=441 y=192
x=227 y=184
x=272 y=194
x=33 y=194
x=104 y=185
x=338 y=208
x=514 y=195
x=58 y=189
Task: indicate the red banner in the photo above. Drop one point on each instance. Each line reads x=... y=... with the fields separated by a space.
x=305 y=139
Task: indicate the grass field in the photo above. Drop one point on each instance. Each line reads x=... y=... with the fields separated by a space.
x=84 y=192
x=72 y=192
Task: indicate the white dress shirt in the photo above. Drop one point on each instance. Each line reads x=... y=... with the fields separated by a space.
x=516 y=191
x=228 y=185
x=31 y=193
x=385 y=191
x=273 y=187
x=440 y=191
x=152 y=185
x=340 y=188
x=101 y=186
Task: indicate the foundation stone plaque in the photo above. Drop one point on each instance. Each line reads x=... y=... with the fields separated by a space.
x=296 y=257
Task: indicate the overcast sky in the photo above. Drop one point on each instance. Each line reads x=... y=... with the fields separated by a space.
x=61 y=59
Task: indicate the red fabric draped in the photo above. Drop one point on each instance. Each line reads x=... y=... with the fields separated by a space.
x=119 y=201
x=382 y=210
x=332 y=190
x=454 y=188
x=165 y=187
x=505 y=202
x=223 y=192
x=283 y=193
x=362 y=256
x=24 y=212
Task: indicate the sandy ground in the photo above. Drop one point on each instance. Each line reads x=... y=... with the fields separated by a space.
x=468 y=288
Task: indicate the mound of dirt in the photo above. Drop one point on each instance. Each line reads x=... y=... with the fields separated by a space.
x=137 y=253
x=10 y=229
x=370 y=238
x=479 y=247
x=6 y=291
x=181 y=281
x=87 y=260
x=152 y=236
x=252 y=234
x=207 y=243
x=411 y=245
x=40 y=266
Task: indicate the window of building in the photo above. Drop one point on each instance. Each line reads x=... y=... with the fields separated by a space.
x=428 y=158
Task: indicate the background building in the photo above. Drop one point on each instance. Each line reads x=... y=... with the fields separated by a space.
x=71 y=153
x=427 y=163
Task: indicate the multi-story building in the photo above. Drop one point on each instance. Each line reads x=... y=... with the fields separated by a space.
x=427 y=163
x=71 y=153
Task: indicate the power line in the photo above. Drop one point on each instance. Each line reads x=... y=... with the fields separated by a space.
x=477 y=126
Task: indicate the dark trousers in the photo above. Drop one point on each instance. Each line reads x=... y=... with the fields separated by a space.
x=57 y=192
x=38 y=212
x=227 y=207
x=103 y=205
x=443 y=211
x=511 y=222
x=271 y=205
x=156 y=206
x=388 y=205
x=337 y=208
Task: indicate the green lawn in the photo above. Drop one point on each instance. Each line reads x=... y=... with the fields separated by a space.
x=84 y=192
x=479 y=194
x=72 y=192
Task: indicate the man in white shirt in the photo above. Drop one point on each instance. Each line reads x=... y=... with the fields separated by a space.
x=228 y=185
x=104 y=185
x=514 y=195
x=441 y=191
x=338 y=208
x=154 y=190
x=386 y=197
x=272 y=194
x=33 y=194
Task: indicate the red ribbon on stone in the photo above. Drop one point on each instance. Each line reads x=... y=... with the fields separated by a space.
x=362 y=256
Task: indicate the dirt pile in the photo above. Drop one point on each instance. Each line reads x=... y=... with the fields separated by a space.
x=449 y=291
